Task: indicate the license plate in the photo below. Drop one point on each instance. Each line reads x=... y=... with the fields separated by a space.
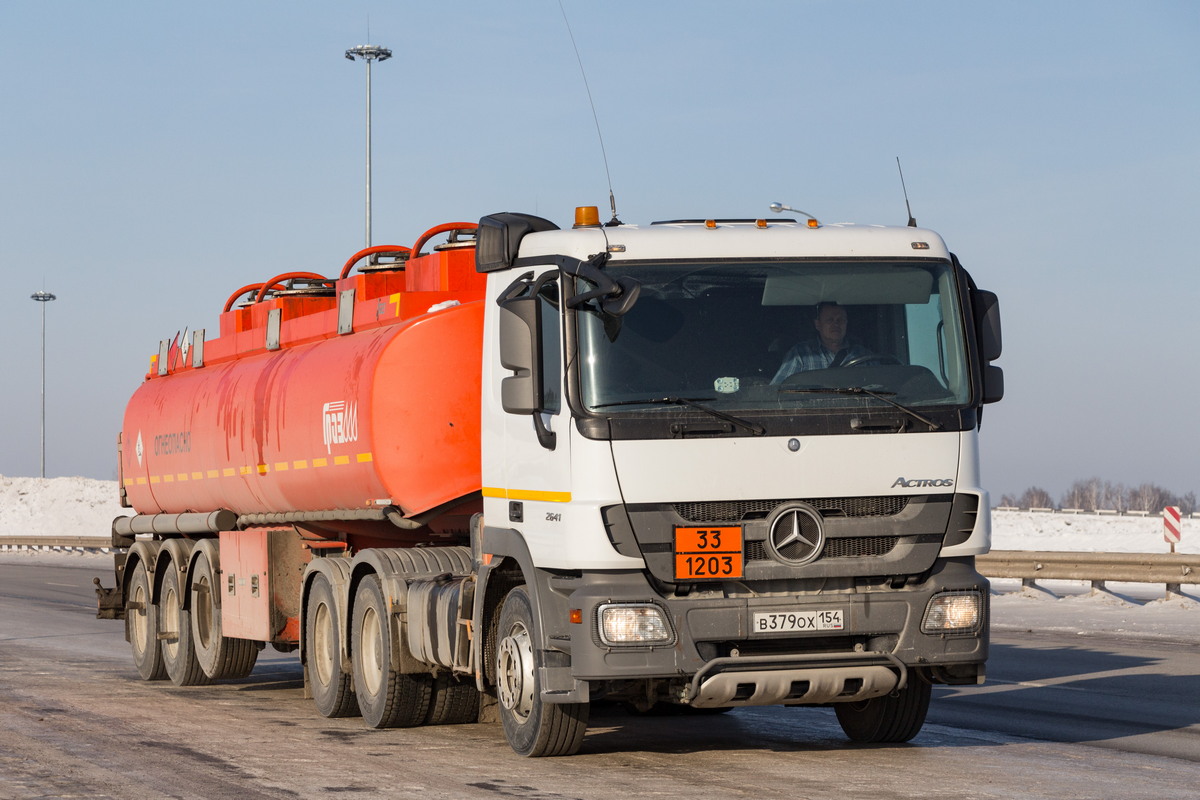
x=712 y=553
x=792 y=621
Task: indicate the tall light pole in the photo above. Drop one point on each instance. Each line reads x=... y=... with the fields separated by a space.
x=369 y=53
x=43 y=298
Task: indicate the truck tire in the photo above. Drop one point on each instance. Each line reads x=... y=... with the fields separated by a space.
x=175 y=630
x=453 y=702
x=220 y=656
x=332 y=689
x=893 y=718
x=533 y=728
x=387 y=698
x=141 y=626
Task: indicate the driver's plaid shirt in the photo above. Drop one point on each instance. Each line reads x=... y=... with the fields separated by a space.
x=813 y=355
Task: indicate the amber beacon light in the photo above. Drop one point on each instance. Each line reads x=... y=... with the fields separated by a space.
x=587 y=217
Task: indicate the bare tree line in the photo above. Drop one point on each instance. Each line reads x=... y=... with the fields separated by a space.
x=1095 y=494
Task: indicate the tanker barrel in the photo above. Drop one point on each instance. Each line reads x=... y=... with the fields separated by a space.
x=192 y=522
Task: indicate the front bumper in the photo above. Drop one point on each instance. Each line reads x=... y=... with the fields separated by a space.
x=718 y=660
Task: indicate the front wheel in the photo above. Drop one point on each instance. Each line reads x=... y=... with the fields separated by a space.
x=894 y=718
x=533 y=727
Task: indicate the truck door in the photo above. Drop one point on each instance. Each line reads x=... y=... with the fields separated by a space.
x=526 y=461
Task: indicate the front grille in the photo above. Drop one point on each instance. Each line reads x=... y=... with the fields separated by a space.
x=859 y=546
x=848 y=547
x=742 y=510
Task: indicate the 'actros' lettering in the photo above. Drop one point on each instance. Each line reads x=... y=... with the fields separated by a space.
x=917 y=483
x=339 y=423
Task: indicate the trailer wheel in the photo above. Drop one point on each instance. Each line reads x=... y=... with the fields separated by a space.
x=141 y=626
x=175 y=633
x=893 y=718
x=219 y=656
x=533 y=727
x=332 y=689
x=387 y=698
x=453 y=702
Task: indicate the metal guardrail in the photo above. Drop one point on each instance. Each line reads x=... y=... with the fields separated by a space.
x=1102 y=512
x=1030 y=566
x=100 y=543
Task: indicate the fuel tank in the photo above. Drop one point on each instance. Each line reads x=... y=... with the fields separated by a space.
x=365 y=397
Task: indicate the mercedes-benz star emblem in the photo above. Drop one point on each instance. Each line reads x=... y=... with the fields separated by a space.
x=797 y=536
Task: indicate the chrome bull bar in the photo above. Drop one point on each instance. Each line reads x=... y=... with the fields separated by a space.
x=789 y=680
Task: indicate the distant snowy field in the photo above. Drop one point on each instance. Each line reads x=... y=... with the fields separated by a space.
x=86 y=507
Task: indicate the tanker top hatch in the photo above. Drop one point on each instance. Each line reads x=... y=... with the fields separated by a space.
x=386 y=262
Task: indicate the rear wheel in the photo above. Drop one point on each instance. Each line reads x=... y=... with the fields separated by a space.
x=219 y=656
x=387 y=698
x=453 y=702
x=533 y=727
x=332 y=689
x=893 y=718
x=141 y=626
x=175 y=633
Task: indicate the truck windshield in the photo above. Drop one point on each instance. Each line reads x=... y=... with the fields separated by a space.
x=778 y=335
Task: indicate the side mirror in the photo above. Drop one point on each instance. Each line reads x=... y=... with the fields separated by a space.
x=520 y=321
x=520 y=351
x=987 y=324
x=993 y=384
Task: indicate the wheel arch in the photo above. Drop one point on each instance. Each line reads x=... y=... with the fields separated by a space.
x=337 y=572
x=508 y=565
x=175 y=554
x=143 y=551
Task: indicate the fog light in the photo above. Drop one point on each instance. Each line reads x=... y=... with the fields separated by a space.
x=954 y=612
x=634 y=623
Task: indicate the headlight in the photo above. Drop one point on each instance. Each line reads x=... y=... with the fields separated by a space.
x=954 y=612
x=634 y=623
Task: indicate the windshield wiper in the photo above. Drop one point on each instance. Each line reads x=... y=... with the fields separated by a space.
x=884 y=396
x=753 y=427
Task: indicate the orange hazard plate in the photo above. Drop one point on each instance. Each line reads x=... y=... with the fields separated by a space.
x=708 y=553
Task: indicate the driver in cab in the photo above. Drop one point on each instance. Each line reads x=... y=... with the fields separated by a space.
x=829 y=349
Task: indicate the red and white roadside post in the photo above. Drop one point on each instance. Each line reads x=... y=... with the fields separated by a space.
x=1171 y=526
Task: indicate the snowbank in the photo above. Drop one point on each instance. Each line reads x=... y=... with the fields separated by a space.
x=1092 y=533
x=58 y=506
x=86 y=507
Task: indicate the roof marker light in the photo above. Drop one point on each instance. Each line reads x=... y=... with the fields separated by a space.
x=710 y=223
x=920 y=245
x=760 y=223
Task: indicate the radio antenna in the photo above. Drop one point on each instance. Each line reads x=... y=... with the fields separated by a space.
x=612 y=200
x=912 y=222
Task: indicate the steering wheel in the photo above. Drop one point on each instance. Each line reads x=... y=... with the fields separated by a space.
x=871 y=358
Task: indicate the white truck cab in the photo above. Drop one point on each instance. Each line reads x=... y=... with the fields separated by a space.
x=696 y=523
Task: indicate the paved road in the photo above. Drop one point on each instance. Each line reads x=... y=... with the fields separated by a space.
x=1092 y=718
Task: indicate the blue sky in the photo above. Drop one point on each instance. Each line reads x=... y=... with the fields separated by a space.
x=156 y=156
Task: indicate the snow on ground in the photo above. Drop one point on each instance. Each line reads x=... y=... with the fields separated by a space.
x=1093 y=533
x=58 y=506
x=85 y=507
